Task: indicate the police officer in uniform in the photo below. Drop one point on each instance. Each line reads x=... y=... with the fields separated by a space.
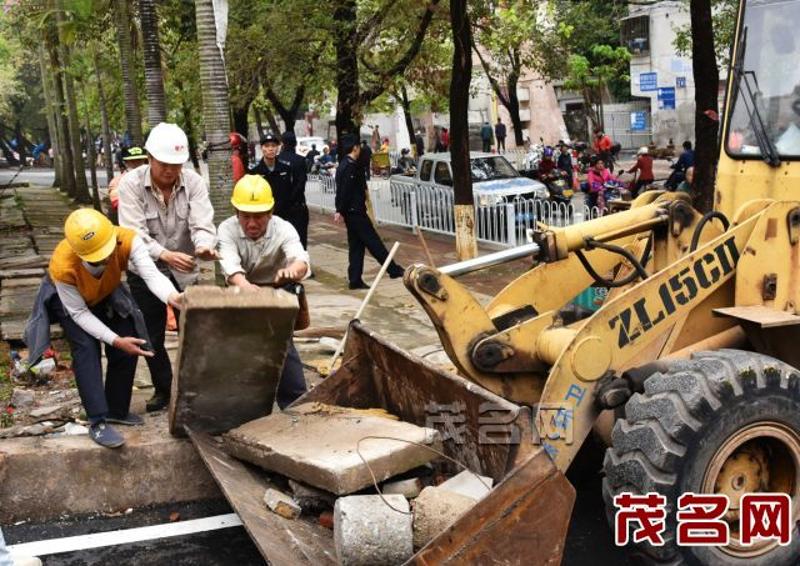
x=296 y=211
x=351 y=208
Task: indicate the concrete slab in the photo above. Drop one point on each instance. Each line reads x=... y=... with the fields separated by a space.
x=469 y=484
x=44 y=478
x=230 y=355
x=317 y=444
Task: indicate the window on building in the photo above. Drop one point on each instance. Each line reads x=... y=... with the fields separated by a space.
x=635 y=34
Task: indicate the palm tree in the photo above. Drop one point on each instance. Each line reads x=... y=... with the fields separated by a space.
x=153 y=78
x=133 y=116
x=216 y=109
x=50 y=114
x=81 y=187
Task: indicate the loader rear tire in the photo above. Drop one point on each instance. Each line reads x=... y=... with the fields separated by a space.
x=724 y=421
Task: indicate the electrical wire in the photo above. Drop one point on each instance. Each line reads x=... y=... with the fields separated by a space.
x=426 y=447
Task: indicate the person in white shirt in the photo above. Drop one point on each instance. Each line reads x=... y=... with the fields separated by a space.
x=258 y=249
x=86 y=270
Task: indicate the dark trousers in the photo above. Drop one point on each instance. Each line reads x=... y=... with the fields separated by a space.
x=155 y=318
x=115 y=398
x=487 y=146
x=361 y=235
x=293 y=383
x=501 y=144
x=298 y=217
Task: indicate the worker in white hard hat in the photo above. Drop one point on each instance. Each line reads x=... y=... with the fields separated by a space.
x=170 y=207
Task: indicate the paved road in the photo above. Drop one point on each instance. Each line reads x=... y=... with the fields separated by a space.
x=40 y=176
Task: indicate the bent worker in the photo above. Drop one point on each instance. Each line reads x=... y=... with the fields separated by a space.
x=83 y=292
x=259 y=249
x=169 y=206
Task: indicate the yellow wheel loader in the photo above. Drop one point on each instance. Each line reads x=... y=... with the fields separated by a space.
x=689 y=368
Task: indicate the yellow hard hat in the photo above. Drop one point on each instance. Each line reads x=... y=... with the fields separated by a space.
x=90 y=234
x=252 y=194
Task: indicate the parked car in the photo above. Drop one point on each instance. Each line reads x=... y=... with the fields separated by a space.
x=304 y=144
x=494 y=182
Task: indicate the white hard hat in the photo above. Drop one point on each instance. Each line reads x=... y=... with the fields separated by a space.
x=168 y=143
x=643 y=150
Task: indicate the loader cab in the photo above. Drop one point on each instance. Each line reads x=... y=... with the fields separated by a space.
x=760 y=143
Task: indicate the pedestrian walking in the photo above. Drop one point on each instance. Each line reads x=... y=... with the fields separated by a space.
x=419 y=143
x=366 y=159
x=259 y=249
x=238 y=155
x=486 y=137
x=83 y=292
x=293 y=207
x=643 y=168
x=351 y=208
x=169 y=206
x=500 y=134
x=445 y=139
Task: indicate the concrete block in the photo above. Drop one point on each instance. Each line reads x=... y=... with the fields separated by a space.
x=280 y=503
x=22 y=398
x=435 y=509
x=310 y=498
x=231 y=350
x=407 y=488
x=315 y=444
x=469 y=484
x=366 y=531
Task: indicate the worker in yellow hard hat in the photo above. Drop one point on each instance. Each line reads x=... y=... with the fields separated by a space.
x=258 y=249
x=82 y=291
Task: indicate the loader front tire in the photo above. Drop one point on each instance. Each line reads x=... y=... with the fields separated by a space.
x=727 y=422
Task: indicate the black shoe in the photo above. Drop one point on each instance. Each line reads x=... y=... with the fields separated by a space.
x=358 y=285
x=397 y=272
x=157 y=402
x=129 y=420
x=106 y=435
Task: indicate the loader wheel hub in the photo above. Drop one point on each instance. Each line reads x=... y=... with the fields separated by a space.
x=763 y=457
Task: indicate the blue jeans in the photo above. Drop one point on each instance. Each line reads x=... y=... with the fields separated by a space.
x=98 y=400
x=292 y=383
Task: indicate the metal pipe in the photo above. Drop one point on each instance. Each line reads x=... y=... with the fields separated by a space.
x=474 y=264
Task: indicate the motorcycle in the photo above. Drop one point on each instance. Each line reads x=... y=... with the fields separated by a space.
x=675 y=178
x=558 y=186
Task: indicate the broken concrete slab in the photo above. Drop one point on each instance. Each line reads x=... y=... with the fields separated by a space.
x=434 y=509
x=317 y=444
x=46 y=411
x=280 y=503
x=409 y=488
x=469 y=484
x=22 y=398
x=367 y=531
x=231 y=350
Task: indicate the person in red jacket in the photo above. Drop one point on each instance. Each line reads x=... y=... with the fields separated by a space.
x=644 y=167
x=238 y=144
x=602 y=146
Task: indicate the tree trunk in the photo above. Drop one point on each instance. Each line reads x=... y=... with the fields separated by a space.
x=347 y=87
x=513 y=109
x=65 y=148
x=240 y=122
x=81 y=187
x=407 y=115
x=108 y=158
x=153 y=78
x=215 y=110
x=466 y=245
x=706 y=81
x=90 y=153
x=259 y=122
x=273 y=123
x=188 y=125
x=49 y=103
x=133 y=115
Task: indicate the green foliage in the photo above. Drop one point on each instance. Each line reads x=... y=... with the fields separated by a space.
x=723 y=20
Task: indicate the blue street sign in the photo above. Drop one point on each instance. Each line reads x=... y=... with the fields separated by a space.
x=638 y=122
x=648 y=81
x=666 y=98
x=680 y=82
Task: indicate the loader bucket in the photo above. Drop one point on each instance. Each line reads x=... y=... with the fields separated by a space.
x=524 y=519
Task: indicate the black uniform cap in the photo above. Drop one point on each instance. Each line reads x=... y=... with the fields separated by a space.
x=269 y=137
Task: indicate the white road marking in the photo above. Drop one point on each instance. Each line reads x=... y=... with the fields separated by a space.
x=126 y=536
